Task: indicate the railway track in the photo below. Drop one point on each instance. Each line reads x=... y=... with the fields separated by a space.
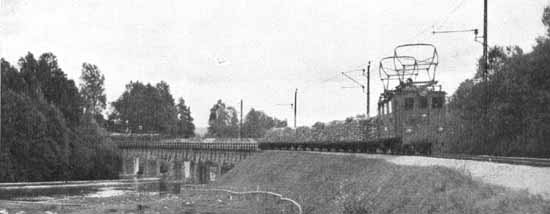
x=354 y=148
x=349 y=147
x=539 y=162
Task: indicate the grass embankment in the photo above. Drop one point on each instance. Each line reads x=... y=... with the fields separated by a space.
x=348 y=184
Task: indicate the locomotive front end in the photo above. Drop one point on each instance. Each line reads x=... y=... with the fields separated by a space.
x=413 y=108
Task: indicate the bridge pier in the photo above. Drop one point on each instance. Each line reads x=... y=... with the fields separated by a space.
x=124 y=166
x=195 y=172
x=157 y=168
x=218 y=170
x=186 y=170
x=178 y=170
x=204 y=173
x=170 y=168
x=135 y=170
x=152 y=168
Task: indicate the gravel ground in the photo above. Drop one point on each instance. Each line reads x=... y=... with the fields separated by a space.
x=535 y=180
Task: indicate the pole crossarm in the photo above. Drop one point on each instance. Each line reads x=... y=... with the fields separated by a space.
x=355 y=81
x=455 y=31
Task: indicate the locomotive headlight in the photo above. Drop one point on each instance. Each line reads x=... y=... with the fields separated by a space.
x=408 y=130
x=440 y=129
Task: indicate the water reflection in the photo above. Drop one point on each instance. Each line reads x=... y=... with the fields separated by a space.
x=136 y=195
x=92 y=189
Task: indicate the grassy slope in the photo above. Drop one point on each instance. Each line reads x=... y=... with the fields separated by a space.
x=347 y=184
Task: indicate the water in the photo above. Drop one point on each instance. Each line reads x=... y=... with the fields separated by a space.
x=131 y=196
x=45 y=191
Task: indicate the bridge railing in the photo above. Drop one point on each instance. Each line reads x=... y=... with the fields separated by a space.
x=233 y=146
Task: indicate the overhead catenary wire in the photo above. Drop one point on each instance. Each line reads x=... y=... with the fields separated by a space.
x=438 y=24
x=458 y=6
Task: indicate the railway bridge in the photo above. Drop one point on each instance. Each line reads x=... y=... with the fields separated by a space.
x=197 y=162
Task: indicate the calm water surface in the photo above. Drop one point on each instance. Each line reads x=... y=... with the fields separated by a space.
x=94 y=189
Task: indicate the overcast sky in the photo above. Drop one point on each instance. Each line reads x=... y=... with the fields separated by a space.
x=259 y=51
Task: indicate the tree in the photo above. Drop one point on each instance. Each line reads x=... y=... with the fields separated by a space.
x=11 y=79
x=517 y=93
x=223 y=121
x=546 y=18
x=167 y=109
x=257 y=123
x=146 y=108
x=46 y=80
x=92 y=89
x=185 y=126
x=39 y=142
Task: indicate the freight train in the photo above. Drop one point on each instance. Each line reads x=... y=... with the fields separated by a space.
x=411 y=110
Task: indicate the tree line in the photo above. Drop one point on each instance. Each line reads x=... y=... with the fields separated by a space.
x=509 y=114
x=224 y=123
x=146 y=108
x=54 y=130
x=49 y=131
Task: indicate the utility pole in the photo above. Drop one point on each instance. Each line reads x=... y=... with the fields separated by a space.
x=485 y=74
x=241 y=121
x=368 y=89
x=485 y=60
x=484 y=65
x=295 y=106
x=0 y=115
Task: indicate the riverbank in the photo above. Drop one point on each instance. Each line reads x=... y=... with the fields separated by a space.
x=348 y=184
x=188 y=201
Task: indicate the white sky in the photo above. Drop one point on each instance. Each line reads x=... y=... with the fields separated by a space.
x=269 y=47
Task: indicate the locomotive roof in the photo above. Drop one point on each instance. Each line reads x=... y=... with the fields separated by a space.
x=411 y=88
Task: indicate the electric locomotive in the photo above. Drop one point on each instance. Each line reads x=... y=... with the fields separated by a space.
x=412 y=106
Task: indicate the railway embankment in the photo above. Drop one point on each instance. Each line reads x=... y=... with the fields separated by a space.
x=532 y=179
x=326 y=183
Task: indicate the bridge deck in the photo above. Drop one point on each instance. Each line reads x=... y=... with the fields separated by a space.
x=233 y=146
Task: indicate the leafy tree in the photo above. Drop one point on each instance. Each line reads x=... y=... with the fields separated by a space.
x=38 y=141
x=167 y=110
x=33 y=138
x=11 y=79
x=185 y=126
x=47 y=80
x=546 y=18
x=92 y=89
x=517 y=96
x=256 y=124
x=223 y=121
x=146 y=108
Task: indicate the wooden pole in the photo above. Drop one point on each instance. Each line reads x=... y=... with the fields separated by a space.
x=295 y=106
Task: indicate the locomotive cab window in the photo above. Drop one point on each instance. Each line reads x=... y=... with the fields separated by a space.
x=423 y=102
x=409 y=103
x=437 y=102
